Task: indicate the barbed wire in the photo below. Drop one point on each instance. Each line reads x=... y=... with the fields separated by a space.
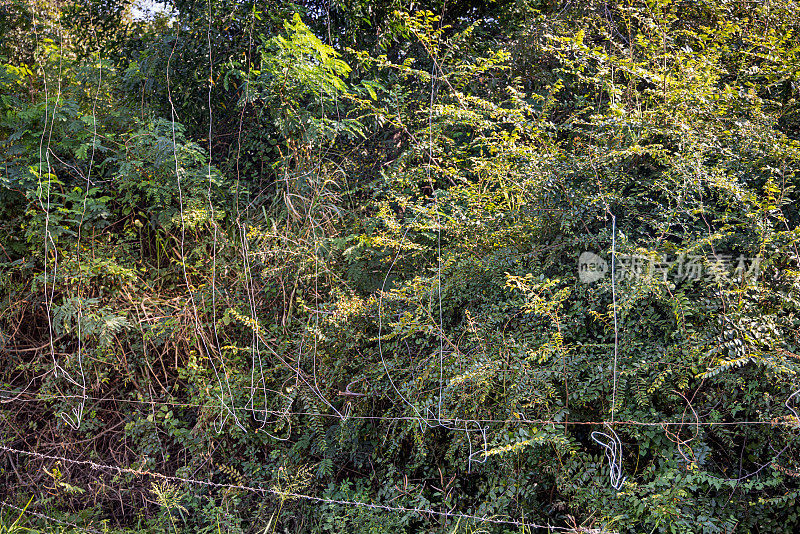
x=283 y=494
x=48 y=518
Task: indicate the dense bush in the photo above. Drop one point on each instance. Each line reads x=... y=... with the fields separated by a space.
x=261 y=264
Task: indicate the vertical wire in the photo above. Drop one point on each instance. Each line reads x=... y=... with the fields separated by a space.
x=232 y=409
x=318 y=189
x=255 y=356
x=198 y=330
x=48 y=237
x=43 y=206
x=425 y=421
x=610 y=441
x=438 y=242
x=614 y=304
x=78 y=412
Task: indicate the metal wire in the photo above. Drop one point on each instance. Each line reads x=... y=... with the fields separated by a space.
x=283 y=494
x=48 y=518
x=456 y=420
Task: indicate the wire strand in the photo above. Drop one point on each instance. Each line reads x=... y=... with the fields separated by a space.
x=278 y=492
x=40 y=515
x=778 y=422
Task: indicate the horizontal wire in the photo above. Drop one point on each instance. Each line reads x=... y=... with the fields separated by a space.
x=48 y=518
x=519 y=420
x=281 y=494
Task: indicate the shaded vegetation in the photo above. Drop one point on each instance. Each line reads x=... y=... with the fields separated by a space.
x=331 y=250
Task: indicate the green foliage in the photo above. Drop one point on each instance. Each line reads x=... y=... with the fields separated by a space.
x=329 y=255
